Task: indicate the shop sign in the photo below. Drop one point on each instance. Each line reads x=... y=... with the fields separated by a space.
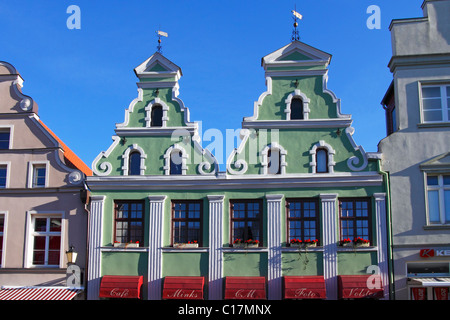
x=305 y=293
x=183 y=294
x=245 y=294
x=119 y=293
x=419 y=293
x=430 y=253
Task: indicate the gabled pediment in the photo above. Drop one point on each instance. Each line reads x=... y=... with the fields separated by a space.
x=156 y=66
x=439 y=162
x=296 y=54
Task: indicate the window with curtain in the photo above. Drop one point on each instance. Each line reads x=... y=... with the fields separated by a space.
x=246 y=220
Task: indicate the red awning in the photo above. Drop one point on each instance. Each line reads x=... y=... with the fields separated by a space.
x=360 y=286
x=304 y=287
x=38 y=293
x=190 y=288
x=123 y=287
x=245 y=288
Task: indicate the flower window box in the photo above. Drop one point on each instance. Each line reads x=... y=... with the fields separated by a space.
x=126 y=244
x=239 y=243
x=304 y=244
x=357 y=242
x=193 y=244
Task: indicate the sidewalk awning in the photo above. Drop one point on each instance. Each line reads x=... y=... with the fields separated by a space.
x=359 y=286
x=190 y=288
x=122 y=287
x=245 y=288
x=304 y=287
x=38 y=293
x=431 y=281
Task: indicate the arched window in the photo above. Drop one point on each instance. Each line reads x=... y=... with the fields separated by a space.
x=156 y=116
x=274 y=161
x=134 y=166
x=297 y=106
x=175 y=159
x=176 y=162
x=296 y=109
x=134 y=161
x=322 y=160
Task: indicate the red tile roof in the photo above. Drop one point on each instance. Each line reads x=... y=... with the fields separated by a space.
x=69 y=155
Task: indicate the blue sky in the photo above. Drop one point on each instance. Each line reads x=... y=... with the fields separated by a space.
x=83 y=79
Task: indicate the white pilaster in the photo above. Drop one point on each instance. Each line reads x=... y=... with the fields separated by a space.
x=94 y=247
x=382 y=246
x=156 y=216
x=215 y=247
x=274 y=278
x=329 y=217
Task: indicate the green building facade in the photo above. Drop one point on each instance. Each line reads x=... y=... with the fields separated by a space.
x=278 y=211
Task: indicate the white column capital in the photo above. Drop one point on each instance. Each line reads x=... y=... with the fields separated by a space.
x=157 y=198
x=274 y=197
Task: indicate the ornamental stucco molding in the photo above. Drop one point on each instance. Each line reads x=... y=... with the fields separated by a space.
x=26 y=102
x=240 y=164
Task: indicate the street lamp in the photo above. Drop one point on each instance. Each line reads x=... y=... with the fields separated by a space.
x=71 y=255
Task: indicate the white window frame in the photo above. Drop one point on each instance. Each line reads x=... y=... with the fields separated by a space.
x=31 y=172
x=4 y=233
x=29 y=241
x=444 y=102
x=8 y=172
x=440 y=188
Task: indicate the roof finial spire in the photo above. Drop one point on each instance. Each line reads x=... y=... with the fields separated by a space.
x=295 y=35
x=160 y=33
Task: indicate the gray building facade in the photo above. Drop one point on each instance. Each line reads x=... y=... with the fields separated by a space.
x=416 y=153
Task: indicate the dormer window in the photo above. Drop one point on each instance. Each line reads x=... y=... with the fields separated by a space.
x=297 y=109
x=156 y=116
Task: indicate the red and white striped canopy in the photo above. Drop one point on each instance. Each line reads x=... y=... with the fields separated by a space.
x=38 y=293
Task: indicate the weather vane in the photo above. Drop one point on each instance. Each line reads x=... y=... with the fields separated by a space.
x=160 y=34
x=295 y=35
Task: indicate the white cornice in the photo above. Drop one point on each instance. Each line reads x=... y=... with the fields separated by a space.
x=227 y=182
x=297 y=124
x=157 y=131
